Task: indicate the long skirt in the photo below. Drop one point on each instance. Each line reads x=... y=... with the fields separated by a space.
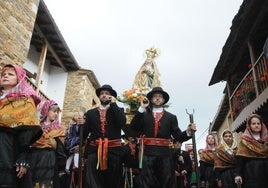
x=42 y=164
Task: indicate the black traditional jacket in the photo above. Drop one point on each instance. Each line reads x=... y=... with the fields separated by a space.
x=115 y=119
x=168 y=126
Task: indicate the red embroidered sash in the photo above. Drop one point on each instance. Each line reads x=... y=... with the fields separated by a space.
x=102 y=120
x=157 y=117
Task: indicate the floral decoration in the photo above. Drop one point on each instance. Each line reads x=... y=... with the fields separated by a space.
x=133 y=96
x=243 y=96
x=264 y=76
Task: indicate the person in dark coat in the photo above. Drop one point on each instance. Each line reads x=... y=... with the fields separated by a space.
x=131 y=163
x=225 y=162
x=156 y=126
x=71 y=144
x=183 y=166
x=104 y=151
x=252 y=154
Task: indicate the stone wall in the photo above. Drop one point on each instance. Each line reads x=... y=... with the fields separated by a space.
x=17 y=18
x=79 y=96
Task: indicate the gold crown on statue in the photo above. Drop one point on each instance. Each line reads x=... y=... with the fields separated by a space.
x=152 y=52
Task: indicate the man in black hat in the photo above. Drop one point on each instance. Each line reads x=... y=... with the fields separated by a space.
x=103 y=153
x=156 y=127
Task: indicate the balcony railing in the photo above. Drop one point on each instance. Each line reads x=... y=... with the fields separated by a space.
x=41 y=94
x=250 y=87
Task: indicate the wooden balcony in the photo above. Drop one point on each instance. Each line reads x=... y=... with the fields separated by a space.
x=250 y=88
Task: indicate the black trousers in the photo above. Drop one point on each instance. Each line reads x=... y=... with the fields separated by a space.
x=157 y=172
x=110 y=178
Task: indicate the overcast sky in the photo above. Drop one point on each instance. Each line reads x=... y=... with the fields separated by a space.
x=109 y=37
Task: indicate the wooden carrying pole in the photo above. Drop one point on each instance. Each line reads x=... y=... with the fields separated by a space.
x=80 y=159
x=194 y=149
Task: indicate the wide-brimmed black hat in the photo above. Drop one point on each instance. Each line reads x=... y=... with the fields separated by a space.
x=158 y=90
x=108 y=88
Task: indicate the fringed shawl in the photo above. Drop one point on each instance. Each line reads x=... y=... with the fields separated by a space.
x=223 y=159
x=207 y=156
x=48 y=139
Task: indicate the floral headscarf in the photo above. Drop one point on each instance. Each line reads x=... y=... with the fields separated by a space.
x=22 y=88
x=44 y=111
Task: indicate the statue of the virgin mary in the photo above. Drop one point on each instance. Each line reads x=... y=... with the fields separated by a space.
x=148 y=75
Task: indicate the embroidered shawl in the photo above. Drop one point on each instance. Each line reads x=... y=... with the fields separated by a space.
x=207 y=156
x=19 y=111
x=48 y=139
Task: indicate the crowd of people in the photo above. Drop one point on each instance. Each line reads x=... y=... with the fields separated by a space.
x=231 y=164
x=37 y=152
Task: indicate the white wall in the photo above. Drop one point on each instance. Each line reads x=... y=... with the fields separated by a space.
x=53 y=78
x=31 y=64
x=57 y=84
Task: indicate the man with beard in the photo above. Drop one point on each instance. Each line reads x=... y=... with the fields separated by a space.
x=156 y=126
x=103 y=167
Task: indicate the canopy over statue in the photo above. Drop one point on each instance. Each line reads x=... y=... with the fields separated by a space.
x=148 y=74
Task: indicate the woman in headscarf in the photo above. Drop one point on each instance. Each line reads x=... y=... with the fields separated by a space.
x=19 y=126
x=207 y=156
x=252 y=154
x=225 y=162
x=43 y=152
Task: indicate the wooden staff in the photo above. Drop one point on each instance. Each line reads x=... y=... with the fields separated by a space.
x=238 y=184
x=80 y=170
x=194 y=148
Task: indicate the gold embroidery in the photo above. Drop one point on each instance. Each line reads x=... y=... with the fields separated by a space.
x=17 y=112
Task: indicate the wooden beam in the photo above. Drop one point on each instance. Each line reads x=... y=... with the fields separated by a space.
x=41 y=65
x=50 y=48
